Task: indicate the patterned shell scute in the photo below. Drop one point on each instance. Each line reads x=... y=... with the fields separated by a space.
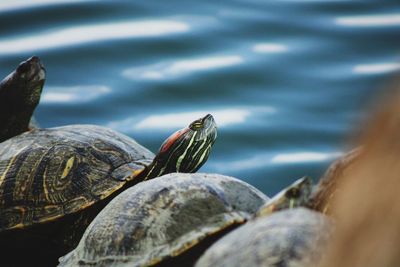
x=163 y=217
x=293 y=238
x=47 y=173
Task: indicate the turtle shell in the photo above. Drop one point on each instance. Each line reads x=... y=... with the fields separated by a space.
x=292 y=237
x=162 y=218
x=48 y=173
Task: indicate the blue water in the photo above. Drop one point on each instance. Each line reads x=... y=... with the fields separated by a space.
x=287 y=81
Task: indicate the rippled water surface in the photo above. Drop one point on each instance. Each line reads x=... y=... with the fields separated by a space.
x=285 y=80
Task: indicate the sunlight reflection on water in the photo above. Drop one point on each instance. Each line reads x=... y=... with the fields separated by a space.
x=376 y=68
x=262 y=160
x=269 y=48
x=73 y=94
x=168 y=70
x=7 y=5
x=223 y=117
x=91 y=33
x=369 y=21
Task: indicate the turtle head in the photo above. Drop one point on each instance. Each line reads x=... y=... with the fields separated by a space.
x=295 y=195
x=24 y=85
x=186 y=150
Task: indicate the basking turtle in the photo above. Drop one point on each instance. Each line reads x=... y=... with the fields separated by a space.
x=293 y=237
x=296 y=195
x=171 y=220
x=54 y=181
x=19 y=95
x=166 y=221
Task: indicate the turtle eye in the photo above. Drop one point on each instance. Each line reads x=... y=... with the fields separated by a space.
x=196 y=125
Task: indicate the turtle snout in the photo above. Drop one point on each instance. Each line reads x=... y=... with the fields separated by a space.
x=35 y=60
x=209 y=121
x=32 y=69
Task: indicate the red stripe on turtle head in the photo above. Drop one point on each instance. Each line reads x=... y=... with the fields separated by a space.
x=171 y=140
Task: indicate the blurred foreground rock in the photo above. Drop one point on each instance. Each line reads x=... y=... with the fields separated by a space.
x=367 y=209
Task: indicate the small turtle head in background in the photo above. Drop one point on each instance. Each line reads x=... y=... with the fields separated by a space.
x=295 y=195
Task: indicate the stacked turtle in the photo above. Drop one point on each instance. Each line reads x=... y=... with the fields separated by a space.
x=296 y=235
x=53 y=183
x=172 y=220
x=167 y=221
x=282 y=233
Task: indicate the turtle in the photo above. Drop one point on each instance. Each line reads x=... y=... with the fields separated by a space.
x=296 y=195
x=54 y=181
x=19 y=95
x=290 y=237
x=158 y=221
x=171 y=220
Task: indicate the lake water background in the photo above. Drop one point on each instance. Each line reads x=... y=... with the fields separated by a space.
x=287 y=81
